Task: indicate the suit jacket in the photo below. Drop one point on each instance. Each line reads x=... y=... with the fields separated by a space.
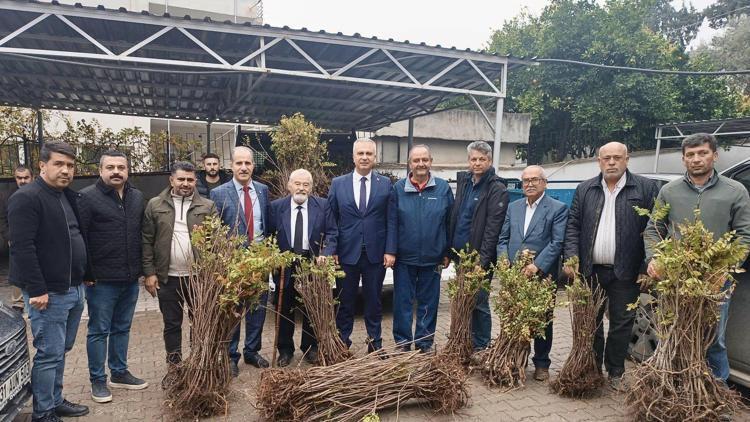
x=376 y=227
x=228 y=206
x=321 y=226
x=545 y=235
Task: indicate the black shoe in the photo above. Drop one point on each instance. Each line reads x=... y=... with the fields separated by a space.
x=68 y=409
x=311 y=356
x=256 y=360
x=427 y=351
x=100 y=393
x=404 y=348
x=127 y=381
x=234 y=369
x=284 y=359
x=51 y=417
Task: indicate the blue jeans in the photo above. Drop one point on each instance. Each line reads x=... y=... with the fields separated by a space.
x=481 y=320
x=54 y=330
x=254 y=320
x=421 y=285
x=716 y=355
x=111 y=307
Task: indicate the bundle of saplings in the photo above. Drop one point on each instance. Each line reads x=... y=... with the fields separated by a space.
x=470 y=278
x=225 y=280
x=313 y=282
x=675 y=383
x=524 y=305
x=353 y=389
x=581 y=375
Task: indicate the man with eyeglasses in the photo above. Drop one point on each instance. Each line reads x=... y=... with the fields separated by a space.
x=602 y=225
x=536 y=223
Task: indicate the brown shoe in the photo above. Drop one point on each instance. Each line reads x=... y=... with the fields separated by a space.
x=541 y=374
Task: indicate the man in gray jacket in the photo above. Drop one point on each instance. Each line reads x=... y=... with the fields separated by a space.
x=724 y=205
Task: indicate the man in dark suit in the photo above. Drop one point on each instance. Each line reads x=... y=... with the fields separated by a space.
x=242 y=204
x=367 y=240
x=304 y=225
x=536 y=223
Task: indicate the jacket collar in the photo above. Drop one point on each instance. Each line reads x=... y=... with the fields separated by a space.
x=106 y=189
x=50 y=189
x=629 y=179
x=408 y=187
x=709 y=184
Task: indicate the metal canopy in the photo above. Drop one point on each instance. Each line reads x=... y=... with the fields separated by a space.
x=737 y=127
x=54 y=56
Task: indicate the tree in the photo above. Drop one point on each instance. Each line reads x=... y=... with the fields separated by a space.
x=721 y=13
x=575 y=109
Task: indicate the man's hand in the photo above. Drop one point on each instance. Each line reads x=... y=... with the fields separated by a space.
x=39 y=302
x=151 y=283
x=653 y=270
x=89 y=283
x=321 y=260
x=530 y=270
x=569 y=271
x=335 y=259
x=389 y=260
x=446 y=262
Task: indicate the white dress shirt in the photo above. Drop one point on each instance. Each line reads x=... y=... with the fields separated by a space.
x=257 y=216
x=530 y=209
x=305 y=238
x=605 y=242
x=356 y=177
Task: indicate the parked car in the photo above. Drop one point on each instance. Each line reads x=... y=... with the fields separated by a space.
x=15 y=367
x=644 y=340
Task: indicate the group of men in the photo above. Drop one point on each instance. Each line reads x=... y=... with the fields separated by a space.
x=67 y=247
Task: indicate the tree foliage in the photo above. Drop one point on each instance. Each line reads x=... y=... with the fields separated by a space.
x=722 y=12
x=575 y=109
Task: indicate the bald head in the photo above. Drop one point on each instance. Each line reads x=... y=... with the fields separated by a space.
x=613 y=162
x=300 y=185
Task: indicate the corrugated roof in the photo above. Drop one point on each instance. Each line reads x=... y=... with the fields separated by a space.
x=91 y=59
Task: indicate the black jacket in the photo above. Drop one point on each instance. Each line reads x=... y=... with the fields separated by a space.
x=40 y=244
x=112 y=229
x=202 y=186
x=583 y=223
x=488 y=218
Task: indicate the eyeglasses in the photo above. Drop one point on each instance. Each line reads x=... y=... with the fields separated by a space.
x=532 y=181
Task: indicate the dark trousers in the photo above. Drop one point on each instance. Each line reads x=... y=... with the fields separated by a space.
x=291 y=303
x=619 y=294
x=254 y=320
x=372 y=286
x=542 y=347
x=172 y=298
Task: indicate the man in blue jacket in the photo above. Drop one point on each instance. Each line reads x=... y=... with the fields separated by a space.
x=304 y=225
x=243 y=205
x=423 y=203
x=537 y=223
x=48 y=263
x=367 y=240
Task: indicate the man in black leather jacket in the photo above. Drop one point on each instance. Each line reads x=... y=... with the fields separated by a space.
x=606 y=234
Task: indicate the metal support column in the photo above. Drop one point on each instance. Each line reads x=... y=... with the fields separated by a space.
x=169 y=145
x=498 y=132
x=658 y=149
x=208 y=137
x=39 y=128
x=410 y=140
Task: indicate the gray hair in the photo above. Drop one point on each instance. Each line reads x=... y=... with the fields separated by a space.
x=425 y=146
x=480 y=146
x=300 y=172
x=363 y=140
x=243 y=148
x=542 y=173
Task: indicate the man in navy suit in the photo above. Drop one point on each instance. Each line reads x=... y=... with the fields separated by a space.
x=304 y=225
x=242 y=204
x=537 y=223
x=367 y=240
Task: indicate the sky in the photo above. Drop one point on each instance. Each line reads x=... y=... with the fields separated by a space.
x=457 y=23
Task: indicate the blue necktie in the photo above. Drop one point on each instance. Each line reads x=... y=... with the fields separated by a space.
x=362 y=195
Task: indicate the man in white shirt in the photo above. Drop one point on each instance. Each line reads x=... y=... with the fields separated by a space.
x=606 y=234
x=302 y=224
x=537 y=223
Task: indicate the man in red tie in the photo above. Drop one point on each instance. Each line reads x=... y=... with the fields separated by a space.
x=243 y=205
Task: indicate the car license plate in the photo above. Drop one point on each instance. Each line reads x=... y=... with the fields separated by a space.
x=13 y=385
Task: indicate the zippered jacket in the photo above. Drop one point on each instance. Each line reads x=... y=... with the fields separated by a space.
x=112 y=229
x=40 y=244
x=423 y=219
x=583 y=223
